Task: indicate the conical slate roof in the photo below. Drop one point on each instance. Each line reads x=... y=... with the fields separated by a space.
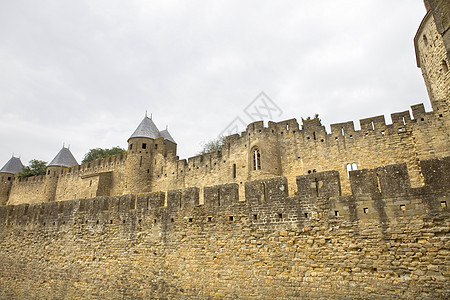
x=166 y=135
x=64 y=158
x=146 y=129
x=13 y=166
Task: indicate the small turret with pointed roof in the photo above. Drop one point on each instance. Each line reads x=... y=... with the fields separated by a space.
x=146 y=129
x=13 y=166
x=64 y=158
x=166 y=135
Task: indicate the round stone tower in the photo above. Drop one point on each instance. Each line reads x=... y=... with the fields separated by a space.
x=7 y=175
x=141 y=148
x=432 y=55
x=63 y=160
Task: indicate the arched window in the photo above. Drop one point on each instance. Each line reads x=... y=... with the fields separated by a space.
x=256 y=156
x=351 y=167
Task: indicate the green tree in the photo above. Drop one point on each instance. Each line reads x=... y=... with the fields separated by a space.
x=213 y=145
x=36 y=167
x=98 y=153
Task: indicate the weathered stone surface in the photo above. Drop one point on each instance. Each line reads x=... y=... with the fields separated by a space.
x=146 y=247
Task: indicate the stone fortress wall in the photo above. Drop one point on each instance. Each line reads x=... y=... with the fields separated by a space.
x=286 y=150
x=386 y=240
x=297 y=221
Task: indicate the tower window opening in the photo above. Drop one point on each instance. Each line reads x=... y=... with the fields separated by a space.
x=342 y=131
x=9 y=178
x=131 y=146
x=314 y=135
x=444 y=66
x=425 y=40
x=378 y=183
x=256 y=159
x=373 y=125
x=287 y=126
x=404 y=121
x=140 y=162
x=351 y=167
x=156 y=146
x=144 y=146
x=234 y=170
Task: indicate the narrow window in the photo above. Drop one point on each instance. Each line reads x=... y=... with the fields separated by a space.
x=314 y=135
x=156 y=146
x=425 y=40
x=444 y=204
x=287 y=127
x=144 y=146
x=373 y=125
x=131 y=146
x=140 y=162
x=444 y=66
x=234 y=170
x=378 y=183
x=336 y=213
x=354 y=166
x=349 y=168
x=342 y=131
x=404 y=121
x=366 y=210
x=231 y=218
x=403 y=207
x=90 y=183
x=9 y=178
x=256 y=159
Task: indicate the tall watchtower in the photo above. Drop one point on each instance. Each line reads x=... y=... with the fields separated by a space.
x=146 y=146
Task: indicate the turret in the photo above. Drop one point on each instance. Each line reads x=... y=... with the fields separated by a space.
x=263 y=151
x=432 y=55
x=147 y=146
x=63 y=160
x=170 y=147
x=7 y=175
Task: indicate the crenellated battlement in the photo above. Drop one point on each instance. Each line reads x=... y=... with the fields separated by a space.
x=96 y=166
x=379 y=194
x=283 y=211
x=283 y=148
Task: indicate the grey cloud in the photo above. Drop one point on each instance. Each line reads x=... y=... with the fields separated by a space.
x=84 y=72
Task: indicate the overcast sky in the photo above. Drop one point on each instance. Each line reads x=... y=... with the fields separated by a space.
x=84 y=72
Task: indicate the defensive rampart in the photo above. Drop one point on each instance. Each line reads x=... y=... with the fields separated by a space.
x=386 y=240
